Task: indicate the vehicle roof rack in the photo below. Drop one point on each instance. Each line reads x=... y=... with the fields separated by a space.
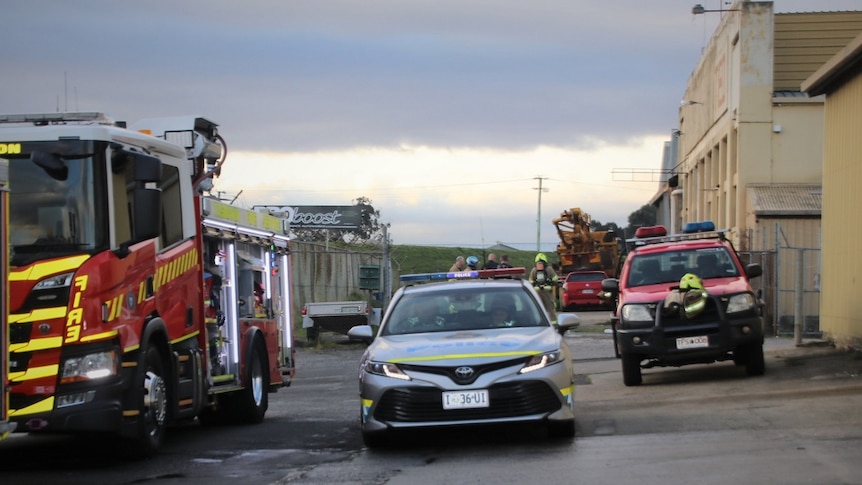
x=41 y=119
x=719 y=234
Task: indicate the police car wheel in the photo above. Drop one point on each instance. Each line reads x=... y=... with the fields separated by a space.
x=561 y=429
x=376 y=439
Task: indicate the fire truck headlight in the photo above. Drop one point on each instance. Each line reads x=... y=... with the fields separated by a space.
x=89 y=367
x=57 y=281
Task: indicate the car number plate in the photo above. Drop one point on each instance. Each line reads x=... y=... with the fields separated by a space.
x=588 y=292
x=692 y=342
x=477 y=398
x=350 y=309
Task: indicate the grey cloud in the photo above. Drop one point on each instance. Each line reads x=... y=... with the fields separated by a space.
x=330 y=75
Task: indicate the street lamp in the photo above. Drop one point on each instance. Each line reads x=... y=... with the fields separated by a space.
x=699 y=10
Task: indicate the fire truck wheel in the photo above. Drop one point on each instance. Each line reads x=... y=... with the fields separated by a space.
x=153 y=406
x=252 y=402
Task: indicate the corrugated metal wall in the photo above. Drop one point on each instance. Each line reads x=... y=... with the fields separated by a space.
x=321 y=273
x=841 y=310
x=805 y=41
x=777 y=244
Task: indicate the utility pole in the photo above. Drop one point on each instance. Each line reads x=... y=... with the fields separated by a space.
x=539 y=215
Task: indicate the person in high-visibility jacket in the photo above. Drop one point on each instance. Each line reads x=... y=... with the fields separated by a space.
x=544 y=278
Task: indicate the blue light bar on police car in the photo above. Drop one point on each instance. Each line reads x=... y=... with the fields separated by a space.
x=462 y=275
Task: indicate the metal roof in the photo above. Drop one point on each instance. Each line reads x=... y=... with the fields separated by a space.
x=786 y=199
x=789 y=94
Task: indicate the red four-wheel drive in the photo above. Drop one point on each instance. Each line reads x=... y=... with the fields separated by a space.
x=685 y=299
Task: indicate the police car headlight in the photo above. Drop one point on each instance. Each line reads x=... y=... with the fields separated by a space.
x=541 y=361
x=743 y=302
x=636 y=316
x=88 y=367
x=386 y=369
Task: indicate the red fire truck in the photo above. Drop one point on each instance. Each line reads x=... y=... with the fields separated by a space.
x=135 y=301
x=5 y=426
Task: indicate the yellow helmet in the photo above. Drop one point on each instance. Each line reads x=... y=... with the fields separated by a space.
x=541 y=257
x=694 y=295
x=690 y=281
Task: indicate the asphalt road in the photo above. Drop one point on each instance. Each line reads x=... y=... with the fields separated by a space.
x=800 y=423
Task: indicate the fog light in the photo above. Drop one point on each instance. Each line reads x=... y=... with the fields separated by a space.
x=637 y=340
x=75 y=399
x=746 y=329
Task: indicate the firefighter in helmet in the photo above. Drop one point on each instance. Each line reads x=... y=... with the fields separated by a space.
x=544 y=278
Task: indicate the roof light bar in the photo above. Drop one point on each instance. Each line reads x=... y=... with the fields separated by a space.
x=692 y=230
x=651 y=231
x=700 y=226
x=462 y=275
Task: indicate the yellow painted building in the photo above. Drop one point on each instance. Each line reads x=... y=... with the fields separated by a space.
x=839 y=80
x=749 y=145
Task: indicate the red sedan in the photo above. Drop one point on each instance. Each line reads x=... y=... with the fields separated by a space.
x=582 y=288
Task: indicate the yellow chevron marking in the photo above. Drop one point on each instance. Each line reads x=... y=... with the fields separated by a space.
x=175 y=268
x=466 y=356
x=37 y=344
x=43 y=406
x=34 y=373
x=41 y=270
x=100 y=336
x=41 y=314
x=184 y=338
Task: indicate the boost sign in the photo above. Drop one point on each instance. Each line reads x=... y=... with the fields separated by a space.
x=323 y=216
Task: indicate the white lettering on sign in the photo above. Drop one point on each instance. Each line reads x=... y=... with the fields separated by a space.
x=320 y=217
x=317 y=218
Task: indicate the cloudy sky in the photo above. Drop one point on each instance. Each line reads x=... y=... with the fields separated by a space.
x=447 y=114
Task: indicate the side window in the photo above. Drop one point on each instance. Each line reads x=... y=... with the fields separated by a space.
x=172 y=209
x=123 y=182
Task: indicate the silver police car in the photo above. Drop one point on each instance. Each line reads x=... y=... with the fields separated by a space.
x=477 y=350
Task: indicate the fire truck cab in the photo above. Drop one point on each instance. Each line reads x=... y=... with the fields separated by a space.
x=134 y=300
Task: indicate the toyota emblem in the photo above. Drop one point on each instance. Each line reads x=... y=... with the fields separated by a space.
x=464 y=372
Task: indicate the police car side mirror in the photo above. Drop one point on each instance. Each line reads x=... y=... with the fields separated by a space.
x=566 y=322
x=363 y=333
